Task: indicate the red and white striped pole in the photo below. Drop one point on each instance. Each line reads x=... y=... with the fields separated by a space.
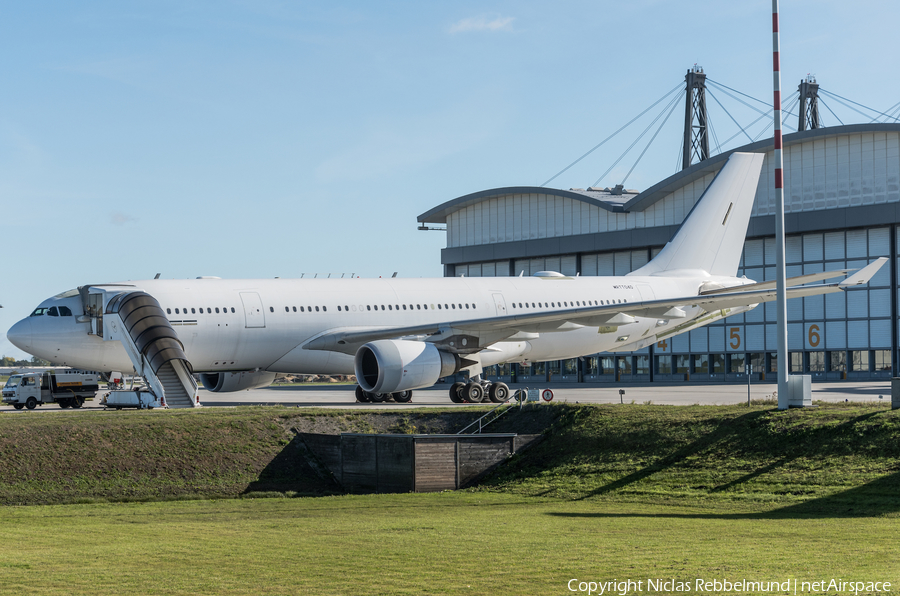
x=780 y=277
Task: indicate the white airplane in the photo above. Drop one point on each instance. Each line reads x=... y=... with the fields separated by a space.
x=398 y=335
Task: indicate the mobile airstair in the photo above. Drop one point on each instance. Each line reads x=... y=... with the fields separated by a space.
x=136 y=319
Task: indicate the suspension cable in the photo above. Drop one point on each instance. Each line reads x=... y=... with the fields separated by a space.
x=853 y=102
x=765 y=103
x=758 y=118
x=597 y=146
x=624 y=153
x=730 y=116
x=830 y=110
x=674 y=105
x=712 y=130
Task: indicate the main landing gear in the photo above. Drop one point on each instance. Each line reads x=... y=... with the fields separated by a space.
x=364 y=397
x=477 y=390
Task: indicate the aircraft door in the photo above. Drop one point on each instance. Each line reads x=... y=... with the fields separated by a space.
x=254 y=316
x=500 y=305
x=646 y=292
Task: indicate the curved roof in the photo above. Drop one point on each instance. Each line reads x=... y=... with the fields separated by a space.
x=604 y=200
x=640 y=201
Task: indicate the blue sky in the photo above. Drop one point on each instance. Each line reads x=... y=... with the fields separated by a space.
x=263 y=139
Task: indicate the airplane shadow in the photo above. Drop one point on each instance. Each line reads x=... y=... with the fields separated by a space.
x=874 y=499
x=879 y=497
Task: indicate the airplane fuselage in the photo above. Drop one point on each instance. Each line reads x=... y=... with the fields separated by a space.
x=240 y=325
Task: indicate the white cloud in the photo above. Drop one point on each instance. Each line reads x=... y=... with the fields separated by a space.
x=482 y=23
x=120 y=219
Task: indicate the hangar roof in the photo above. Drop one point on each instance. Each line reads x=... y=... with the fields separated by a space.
x=635 y=201
x=600 y=198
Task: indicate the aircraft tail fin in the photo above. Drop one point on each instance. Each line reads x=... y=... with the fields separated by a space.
x=711 y=238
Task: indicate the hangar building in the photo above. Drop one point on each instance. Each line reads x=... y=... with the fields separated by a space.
x=842 y=209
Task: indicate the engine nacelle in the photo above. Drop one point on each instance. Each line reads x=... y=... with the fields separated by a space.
x=224 y=382
x=388 y=365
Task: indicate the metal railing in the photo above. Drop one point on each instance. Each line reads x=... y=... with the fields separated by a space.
x=497 y=412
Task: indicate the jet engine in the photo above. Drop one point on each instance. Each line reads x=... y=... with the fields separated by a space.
x=389 y=366
x=224 y=382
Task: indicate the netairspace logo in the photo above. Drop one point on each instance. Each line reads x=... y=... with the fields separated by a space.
x=723 y=586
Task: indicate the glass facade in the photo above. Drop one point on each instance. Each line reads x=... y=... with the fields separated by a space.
x=843 y=335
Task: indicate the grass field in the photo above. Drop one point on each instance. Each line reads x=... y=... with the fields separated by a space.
x=449 y=543
x=613 y=492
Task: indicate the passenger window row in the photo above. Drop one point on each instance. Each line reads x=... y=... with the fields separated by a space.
x=302 y=309
x=567 y=304
x=371 y=307
x=184 y=311
x=418 y=306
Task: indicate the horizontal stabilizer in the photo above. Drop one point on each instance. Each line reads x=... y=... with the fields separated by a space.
x=865 y=274
x=791 y=281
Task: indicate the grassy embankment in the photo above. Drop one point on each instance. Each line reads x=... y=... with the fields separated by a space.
x=615 y=492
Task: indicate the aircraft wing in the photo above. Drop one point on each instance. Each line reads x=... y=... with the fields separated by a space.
x=490 y=330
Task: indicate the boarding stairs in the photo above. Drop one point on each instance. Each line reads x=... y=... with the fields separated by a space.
x=136 y=319
x=476 y=426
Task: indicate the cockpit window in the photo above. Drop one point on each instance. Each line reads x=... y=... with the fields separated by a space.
x=53 y=312
x=39 y=312
x=65 y=311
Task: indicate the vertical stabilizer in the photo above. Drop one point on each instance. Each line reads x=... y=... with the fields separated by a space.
x=712 y=236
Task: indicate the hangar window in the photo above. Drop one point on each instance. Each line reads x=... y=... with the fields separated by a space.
x=168 y=311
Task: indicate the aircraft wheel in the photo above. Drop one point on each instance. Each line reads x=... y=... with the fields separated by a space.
x=31 y=403
x=456 y=392
x=361 y=396
x=378 y=397
x=499 y=393
x=403 y=397
x=18 y=406
x=474 y=393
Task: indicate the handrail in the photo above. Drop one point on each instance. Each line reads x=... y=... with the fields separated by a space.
x=508 y=403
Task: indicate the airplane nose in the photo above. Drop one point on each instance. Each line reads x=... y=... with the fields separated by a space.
x=20 y=335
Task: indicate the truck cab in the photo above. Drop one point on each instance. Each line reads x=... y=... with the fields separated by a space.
x=23 y=390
